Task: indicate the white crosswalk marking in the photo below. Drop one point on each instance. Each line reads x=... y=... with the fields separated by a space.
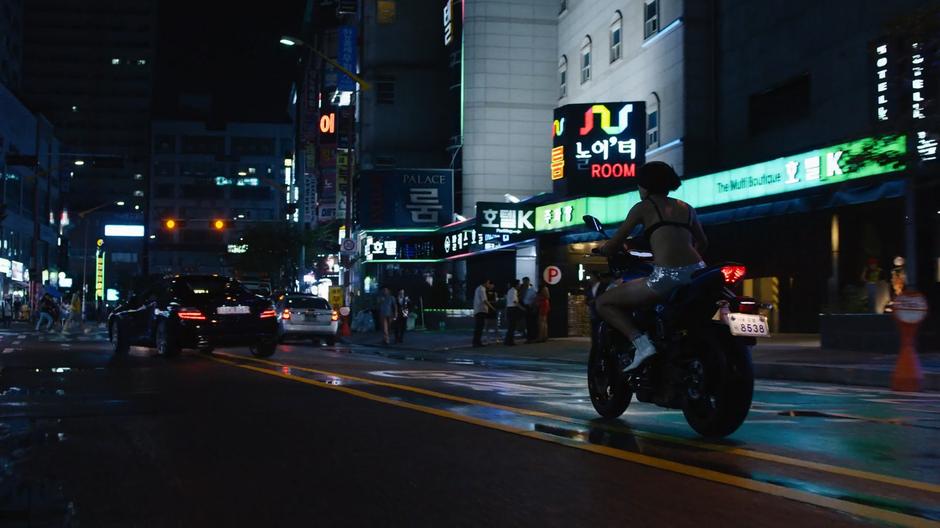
x=15 y=343
x=8 y=350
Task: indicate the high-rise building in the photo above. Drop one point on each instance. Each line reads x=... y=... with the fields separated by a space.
x=88 y=67
x=209 y=184
x=11 y=43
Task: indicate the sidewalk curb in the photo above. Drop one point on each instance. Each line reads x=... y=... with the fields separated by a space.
x=865 y=377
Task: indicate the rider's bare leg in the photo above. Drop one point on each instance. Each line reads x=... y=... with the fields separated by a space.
x=615 y=304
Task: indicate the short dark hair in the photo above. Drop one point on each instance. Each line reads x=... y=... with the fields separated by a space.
x=658 y=177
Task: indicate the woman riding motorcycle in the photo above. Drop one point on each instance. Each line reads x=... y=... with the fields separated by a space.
x=677 y=241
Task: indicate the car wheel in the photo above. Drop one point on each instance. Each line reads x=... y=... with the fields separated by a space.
x=119 y=341
x=167 y=345
x=206 y=350
x=263 y=348
x=330 y=341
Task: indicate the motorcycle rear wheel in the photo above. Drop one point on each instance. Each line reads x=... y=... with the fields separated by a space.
x=722 y=385
x=610 y=393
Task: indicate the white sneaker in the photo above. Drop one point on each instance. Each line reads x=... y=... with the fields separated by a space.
x=644 y=350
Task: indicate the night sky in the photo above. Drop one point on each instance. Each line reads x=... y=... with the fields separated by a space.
x=229 y=50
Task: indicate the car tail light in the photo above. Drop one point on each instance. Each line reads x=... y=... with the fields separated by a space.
x=191 y=314
x=335 y=316
x=285 y=315
x=269 y=313
x=733 y=273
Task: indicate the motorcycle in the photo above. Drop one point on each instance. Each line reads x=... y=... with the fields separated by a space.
x=703 y=333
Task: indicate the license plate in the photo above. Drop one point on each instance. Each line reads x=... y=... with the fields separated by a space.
x=748 y=325
x=310 y=317
x=233 y=310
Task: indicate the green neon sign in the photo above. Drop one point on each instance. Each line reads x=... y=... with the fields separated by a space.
x=826 y=166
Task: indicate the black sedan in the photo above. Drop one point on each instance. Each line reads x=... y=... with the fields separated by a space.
x=194 y=311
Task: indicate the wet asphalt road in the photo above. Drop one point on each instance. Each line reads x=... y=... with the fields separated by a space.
x=324 y=435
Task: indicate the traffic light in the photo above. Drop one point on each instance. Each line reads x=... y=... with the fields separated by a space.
x=218 y=224
x=170 y=224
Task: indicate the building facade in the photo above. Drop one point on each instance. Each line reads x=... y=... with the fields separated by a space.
x=236 y=174
x=781 y=150
x=88 y=67
x=32 y=193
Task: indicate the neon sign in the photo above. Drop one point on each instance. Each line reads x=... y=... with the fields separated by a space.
x=816 y=168
x=597 y=147
x=328 y=123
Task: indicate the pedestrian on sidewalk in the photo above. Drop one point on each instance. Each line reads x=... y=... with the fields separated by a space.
x=402 y=309
x=543 y=302
x=6 y=310
x=527 y=295
x=492 y=317
x=75 y=312
x=871 y=275
x=387 y=311
x=514 y=312
x=481 y=307
x=46 y=312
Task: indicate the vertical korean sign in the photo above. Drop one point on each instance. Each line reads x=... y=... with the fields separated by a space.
x=406 y=198
x=99 y=274
x=597 y=147
x=346 y=56
x=925 y=139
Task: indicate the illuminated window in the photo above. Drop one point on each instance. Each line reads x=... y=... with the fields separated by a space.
x=650 y=18
x=115 y=62
x=141 y=62
x=138 y=193
x=616 y=37
x=563 y=77
x=652 y=121
x=586 y=60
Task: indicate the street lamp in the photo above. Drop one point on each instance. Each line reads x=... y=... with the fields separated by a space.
x=294 y=41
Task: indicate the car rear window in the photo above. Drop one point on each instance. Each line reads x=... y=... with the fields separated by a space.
x=208 y=286
x=315 y=303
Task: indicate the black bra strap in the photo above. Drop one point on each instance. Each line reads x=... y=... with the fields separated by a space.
x=660 y=215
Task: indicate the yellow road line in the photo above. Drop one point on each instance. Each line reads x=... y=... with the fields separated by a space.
x=851 y=508
x=749 y=453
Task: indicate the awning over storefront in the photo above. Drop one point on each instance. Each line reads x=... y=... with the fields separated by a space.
x=858 y=194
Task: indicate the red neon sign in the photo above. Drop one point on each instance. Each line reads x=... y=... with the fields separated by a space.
x=328 y=123
x=613 y=170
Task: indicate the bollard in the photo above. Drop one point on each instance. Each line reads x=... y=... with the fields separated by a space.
x=910 y=309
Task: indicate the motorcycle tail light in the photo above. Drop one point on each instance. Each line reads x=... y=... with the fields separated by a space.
x=733 y=273
x=285 y=315
x=335 y=316
x=269 y=313
x=191 y=314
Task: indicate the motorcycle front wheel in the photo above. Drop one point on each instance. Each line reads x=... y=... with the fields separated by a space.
x=610 y=393
x=720 y=385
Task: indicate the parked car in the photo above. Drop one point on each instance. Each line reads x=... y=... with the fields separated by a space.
x=194 y=311
x=306 y=316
